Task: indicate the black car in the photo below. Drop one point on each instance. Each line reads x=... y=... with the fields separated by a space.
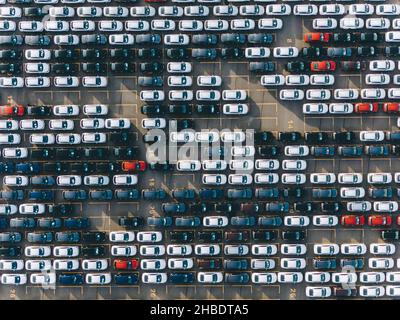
x=233 y=38
x=124 y=153
x=366 y=51
x=208 y=109
x=181 y=236
x=344 y=136
x=61 y=209
x=93 y=236
x=35 y=12
x=232 y=53
x=41 y=195
x=100 y=195
x=151 y=67
x=235 y=264
x=178 y=53
x=316 y=137
x=68 y=154
x=368 y=37
x=200 y=208
x=161 y=166
x=392 y=51
x=127 y=194
x=96 y=153
x=268 y=151
x=74 y=195
x=179 y=109
x=152 y=110
x=260 y=38
x=264 y=235
x=54 y=167
x=94 y=68
x=66 y=54
x=83 y=167
x=121 y=137
x=296 y=66
x=64 y=68
x=130 y=222
x=148 y=38
x=181 y=277
x=331 y=206
x=10 y=54
x=93 y=251
x=126 y=278
x=312 y=52
x=155 y=81
x=293 y=235
x=344 y=37
x=350 y=151
x=122 y=67
x=390 y=235
x=10 y=68
x=377 y=150
x=293 y=192
x=7 y=167
x=211 y=194
x=293 y=136
x=352 y=65
x=10 y=251
x=38 y=110
x=304 y=206
x=324 y=264
x=263 y=137
x=205 y=39
x=261 y=67
x=149 y=53
x=122 y=54
x=209 y=236
x=266 y=193
x=174 y=207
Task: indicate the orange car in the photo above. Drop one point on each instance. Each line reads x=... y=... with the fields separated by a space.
x=130 y=264
x=15 y=110
x=323 y=65
x=391 y=107
x=135 y=165
x=317 y=37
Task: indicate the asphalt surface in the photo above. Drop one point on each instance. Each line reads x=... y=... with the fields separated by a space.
x=266 y=113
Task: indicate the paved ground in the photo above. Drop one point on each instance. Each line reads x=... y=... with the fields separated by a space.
x=267 y=113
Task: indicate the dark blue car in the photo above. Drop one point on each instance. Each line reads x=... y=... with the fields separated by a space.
x=126 y=278
x=181 y=277
x=71 y=279
x=41 y=195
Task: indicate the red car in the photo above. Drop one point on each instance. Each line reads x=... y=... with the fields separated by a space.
x=352 y=220
x=131 y=264
x=364 y=107
x=391 y=107
x=317 y=37
x=135 y=165
x=323 y=65
x=379 y=220
x=15 y=110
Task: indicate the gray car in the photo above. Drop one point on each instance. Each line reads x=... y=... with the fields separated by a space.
x=22 y=223
x=159 y=221
x=187 y=222
x=74 y=237
x=100 y=195
x=74 y=195
x=11 y=194
x=94 y=39
x=40 y=40
x=49 y=223
x=43 y=180
x=40 y=237
x=15 y=40
x=10 y=237
x=243 y=221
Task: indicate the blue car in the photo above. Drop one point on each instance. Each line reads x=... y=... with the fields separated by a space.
x=76 y=223
x=181 y=277
x=27 y=168
x=41 y=195
x=183 y=194
x=187 y=222
x=6 y=167
x=211 y=193
x=71 y=279
x=159 y=221
x=126 y=278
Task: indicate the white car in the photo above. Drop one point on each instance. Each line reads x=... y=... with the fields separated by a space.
x=393 y=93
x=387 y=9
x=285 y=52
x=305 y=10
x=13 y=279
x=170 y=11
x=270 y=23
x=373 y=93
x=89 y=123
x=66 y=39
x=371 y=291
x=66 y=251
x=341 y=108
x=344 y=277
x=10 y=138
x=332 y=9
x=322 y=79
x=291 y=94
x=207 y=249
x=179 y=81
x=257 y=52
x=153 y=264
x=346 y=94
x=69 y=180
x=215 y=221
x=188 y=165
x=68 y=138
x=236 y=95
x=197 y=11
x=37 y=67
x=43 y=278
x=154 y=123
x=97 y=278
x=315 y=108
x=179 y=249
x=181 y=137
x=10 y=12
x=179 y=67
x=125 y=179
x=272 y=80
x=297 y=151
x=377 y=23
x=377 y=79
x=296 y=80
x=66 y=110
x=216 y=25
x=290 y=277
x=82 y=25
x=184 y=95
x=382 y=248
x=296 y=221
x=379 y=178
x=206 y=136
x=318 y=94
x=264 y=277
x=352 y=192
x=293 y=249
x=350 y=178
x=209 y=81
x=326 y=249
x=11 y=265
x=353 y=248
x=32 y=208
x=96 y=180
x=37 y=251
x=37 y=82
x=266 y=164
x=15 y=181
x=56 y=26
x=359 y=206
x=94 y=264
x=11 y=82
x=8 y=209
x=207 y=95
x=325 y=220
x=381 y=65
x=264 y=249
x=177 y=39
x=149 y=236
x=66 y=82
x=318 y=292
x=214 y=165
x=122 y=236
x=94 y=81
x=262 y=264
x=278 y=9
x=242 y=24
x=10 y=125
x=251 y=10
x=210 y=277
x=243 y=151
x=266 y=178
x=152 y=250
x=294 y=165
x=142 y=11
x=240 y=179
x=324 y=24
x=317 y=277
x=236 y=250
x=361 y=9
x=121 y=39
x=110 y=26
x=372 y=136
x=351 y=23
x=322 y=178
x=66 y=265
x=393 y=277
x=293 y=178
x=235 y=109
x=380 y=263
x=137 y=25
x=95 y=109
x=117 y=123
x=7 y=26
x=241 y=165
x=233 y=136
x=61 y=12
x=162 y=25
x=89 y=12
x=15 y=153
x=372 y=277
x=293 y=263
x=180 y=263
x=190 y=25
x=123 y=251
